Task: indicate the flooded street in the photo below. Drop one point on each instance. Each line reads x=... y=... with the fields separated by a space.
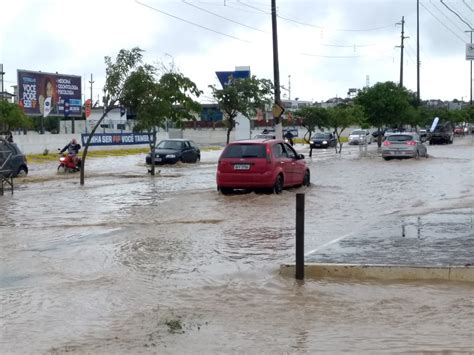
x=131 y=263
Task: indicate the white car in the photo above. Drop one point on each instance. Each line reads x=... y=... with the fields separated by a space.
x=360 y=136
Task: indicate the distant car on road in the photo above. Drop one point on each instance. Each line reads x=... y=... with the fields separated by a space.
x=442 y=134
x=270 y=164
x=323 y=140
x=360 y=136
x=12 y=161
x=403 y=145
x=171 y=151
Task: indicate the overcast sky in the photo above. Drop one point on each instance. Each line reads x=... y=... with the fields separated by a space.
x=326 y=46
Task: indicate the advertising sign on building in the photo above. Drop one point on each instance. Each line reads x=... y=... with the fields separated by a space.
x=34 y=88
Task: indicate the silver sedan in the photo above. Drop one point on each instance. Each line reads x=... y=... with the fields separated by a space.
x=403 y=145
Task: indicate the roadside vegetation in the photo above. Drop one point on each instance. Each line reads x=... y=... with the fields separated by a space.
x=384 y=105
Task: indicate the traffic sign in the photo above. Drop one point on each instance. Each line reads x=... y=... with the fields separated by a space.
x=469 y=51
x=277 y=110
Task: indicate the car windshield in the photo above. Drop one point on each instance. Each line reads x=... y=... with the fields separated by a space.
x=244 y=151
x=400 y=138
x=321 y=136
x=358 y=133
x=170 y=145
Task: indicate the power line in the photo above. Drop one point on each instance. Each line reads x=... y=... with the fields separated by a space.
x=441 y=22
x=317 y=26
x=222 y=17
x=465 y=3
x=447 y=17
x=190 y=23
x=454 y=12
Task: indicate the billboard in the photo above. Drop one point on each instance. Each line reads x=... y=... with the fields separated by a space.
x=34 y=88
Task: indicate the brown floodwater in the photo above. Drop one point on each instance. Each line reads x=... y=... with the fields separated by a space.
x=131 y=263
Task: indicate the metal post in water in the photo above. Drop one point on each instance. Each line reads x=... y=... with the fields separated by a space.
x=299 y=274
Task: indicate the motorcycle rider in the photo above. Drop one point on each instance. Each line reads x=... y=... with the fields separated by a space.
x=72 y=150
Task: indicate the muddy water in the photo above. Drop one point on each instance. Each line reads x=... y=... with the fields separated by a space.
x=135 y=264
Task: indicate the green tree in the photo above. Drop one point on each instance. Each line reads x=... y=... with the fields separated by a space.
x=311 y=118
x=342 y=117
x=116 y=75
x=387 y=104
x=158 y=101
x=11 y=117
x=243 y=96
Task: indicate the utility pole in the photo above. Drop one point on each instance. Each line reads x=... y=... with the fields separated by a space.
x=401 y=49
x=2 y=73
x=92 y=99
x=277 y=110
x=418 y=52
x=470 y=86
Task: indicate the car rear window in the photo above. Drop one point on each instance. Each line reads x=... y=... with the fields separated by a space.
x=244 y=151
x=400 y=138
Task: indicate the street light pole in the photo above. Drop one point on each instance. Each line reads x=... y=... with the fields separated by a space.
x=276 y=74
x=418 y=52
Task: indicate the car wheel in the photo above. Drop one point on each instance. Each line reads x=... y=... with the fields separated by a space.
x=61 y=169
x=22 y=171
x=198 y=159
x=278 y=187
x=386 y=158
x=417 y=155
x=226 y=190
x=306 y=178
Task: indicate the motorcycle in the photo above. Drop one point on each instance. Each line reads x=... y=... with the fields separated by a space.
x=68 y=163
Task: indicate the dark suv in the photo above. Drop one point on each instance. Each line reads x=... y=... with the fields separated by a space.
x=12 y=160
x=443 y=134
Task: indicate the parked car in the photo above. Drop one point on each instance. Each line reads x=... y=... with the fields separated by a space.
x=170 y=151
x=323 y=140
x=12 y=161
x=260 y=164
x=403 y=145
x=360 y=136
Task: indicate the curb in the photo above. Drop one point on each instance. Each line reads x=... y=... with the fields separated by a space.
x=382 y=272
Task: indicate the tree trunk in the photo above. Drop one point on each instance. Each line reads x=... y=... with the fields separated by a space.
x=86 y=147
x=229 y=129
x=152 y=152
x=379 y=138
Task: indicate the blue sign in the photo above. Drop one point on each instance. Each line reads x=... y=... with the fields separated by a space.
x=117 y=138
x=226 y=77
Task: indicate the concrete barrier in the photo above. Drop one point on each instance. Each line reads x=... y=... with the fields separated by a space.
x=382 y=272
x=34 y=143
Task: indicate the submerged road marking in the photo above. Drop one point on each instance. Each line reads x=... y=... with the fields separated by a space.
x=327 y=244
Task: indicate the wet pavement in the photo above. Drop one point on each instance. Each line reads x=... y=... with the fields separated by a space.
x=131 y=263
x=442 y=239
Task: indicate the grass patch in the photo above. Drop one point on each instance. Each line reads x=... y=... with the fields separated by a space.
x=43 y=158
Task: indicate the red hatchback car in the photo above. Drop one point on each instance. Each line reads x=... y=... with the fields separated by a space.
x=260 y=164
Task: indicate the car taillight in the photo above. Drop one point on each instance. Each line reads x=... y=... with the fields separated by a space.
x=411 y=143
x=269 y=153
x=386 y=143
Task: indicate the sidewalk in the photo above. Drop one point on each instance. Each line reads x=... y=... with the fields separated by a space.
x=434 y=246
